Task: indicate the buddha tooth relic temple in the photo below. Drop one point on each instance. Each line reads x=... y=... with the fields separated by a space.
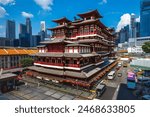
x=80 y=52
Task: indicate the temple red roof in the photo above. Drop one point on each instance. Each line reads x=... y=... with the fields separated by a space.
x=57 y=27
x=90 y=13
x=64 y=19
x=61 y=40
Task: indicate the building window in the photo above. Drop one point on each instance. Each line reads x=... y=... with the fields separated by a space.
x=67 y=61
x=53 y=60
x=75 y=62
x=59 y=61
x=86 y=29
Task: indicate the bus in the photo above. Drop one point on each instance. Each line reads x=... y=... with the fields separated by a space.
x=111 y=75
x=131 y=80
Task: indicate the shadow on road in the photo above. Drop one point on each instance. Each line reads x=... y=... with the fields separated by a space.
x=125 y=94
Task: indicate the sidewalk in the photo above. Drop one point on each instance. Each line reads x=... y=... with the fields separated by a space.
x=66 y=89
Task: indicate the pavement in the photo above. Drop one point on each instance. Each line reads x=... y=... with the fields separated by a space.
x=70 y=90
x=32 y=92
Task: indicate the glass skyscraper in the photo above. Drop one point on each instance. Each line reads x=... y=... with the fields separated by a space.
x=10 y=29
x=145 y=18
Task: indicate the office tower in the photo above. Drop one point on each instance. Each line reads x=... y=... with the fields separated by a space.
x=43 y=31
x=29 y=27
x=132 y=26
x=36 y=39
x=43 y=27
x=10 y=30
x=123 y=35
x=23 y=29
x=29 y=30
x=137 y=25
x=145 y=18
x=24 y=36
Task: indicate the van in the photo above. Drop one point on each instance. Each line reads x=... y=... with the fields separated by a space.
x=100 y=89
x=111 y=75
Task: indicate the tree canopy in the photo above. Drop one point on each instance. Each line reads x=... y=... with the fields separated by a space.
x=26 y=62
x=146 y=47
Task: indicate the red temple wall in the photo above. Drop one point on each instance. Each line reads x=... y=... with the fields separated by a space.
x=56 y=48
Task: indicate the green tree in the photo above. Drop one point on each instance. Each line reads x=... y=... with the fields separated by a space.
x=26 y=62
x=146 y=47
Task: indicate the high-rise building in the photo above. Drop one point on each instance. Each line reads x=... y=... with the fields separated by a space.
x=36 y=40
x=24 y=40
x=133 y=26
x=123 y=34
x=43 y=27
x=29 y=30
x=145 y=18
x=29 y=27
x=25 y=34
x=137 y=25
x=43 y=31
x=10 y=30
x=23 y=29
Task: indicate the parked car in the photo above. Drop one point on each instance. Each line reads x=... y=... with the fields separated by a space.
x=142 y=80
x=119 y=74
x=147 y=84
x=146 y=97
x=100 y=89
x=125 y=64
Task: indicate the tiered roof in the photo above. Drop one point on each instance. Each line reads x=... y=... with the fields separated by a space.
x=61 y=40
x=90 y=13
x=64 y=19
x=17 y=51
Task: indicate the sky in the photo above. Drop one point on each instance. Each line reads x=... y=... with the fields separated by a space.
x=116 y=13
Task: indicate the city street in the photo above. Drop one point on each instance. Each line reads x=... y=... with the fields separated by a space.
x=114 y=85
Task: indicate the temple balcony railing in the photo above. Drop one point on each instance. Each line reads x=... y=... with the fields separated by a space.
x=73 y=65
x=47 y=63
x=61 y=64
x=78 y=35
x=57 y=64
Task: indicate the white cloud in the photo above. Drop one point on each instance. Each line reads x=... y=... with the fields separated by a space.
x=27 y=15
x=2 y=12
x=45 y=4
x=138 y=19
x=5 y=2
x=124 y=21
x=103 y=2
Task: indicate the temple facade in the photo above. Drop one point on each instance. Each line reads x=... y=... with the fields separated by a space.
x=79 y=52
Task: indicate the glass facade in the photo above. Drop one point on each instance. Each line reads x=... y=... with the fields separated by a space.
x=145 y=18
